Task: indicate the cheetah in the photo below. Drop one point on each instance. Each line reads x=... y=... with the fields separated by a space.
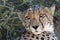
x=38 y=22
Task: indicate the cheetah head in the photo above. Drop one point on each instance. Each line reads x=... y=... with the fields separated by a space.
x=38 y=20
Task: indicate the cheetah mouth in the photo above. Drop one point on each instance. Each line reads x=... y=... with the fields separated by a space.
x=36 y=33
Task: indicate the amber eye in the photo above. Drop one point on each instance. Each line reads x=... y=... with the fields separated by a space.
x=27 y=17
x=41 y=16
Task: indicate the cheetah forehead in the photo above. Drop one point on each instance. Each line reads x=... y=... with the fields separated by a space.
x=39 y=10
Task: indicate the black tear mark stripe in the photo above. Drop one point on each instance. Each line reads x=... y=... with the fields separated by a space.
x=41 y=23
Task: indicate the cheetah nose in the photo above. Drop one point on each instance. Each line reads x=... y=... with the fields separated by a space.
x=35 y=27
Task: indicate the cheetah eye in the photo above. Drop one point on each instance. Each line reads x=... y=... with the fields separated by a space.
x=27 y=17
x=41 y=16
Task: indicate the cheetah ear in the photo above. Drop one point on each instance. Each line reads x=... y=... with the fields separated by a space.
x=52 y=8
x=20 y=15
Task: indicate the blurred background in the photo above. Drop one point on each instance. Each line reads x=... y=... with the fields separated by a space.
x=10 y=25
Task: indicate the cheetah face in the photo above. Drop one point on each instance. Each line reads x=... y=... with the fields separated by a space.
x=37 y=21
